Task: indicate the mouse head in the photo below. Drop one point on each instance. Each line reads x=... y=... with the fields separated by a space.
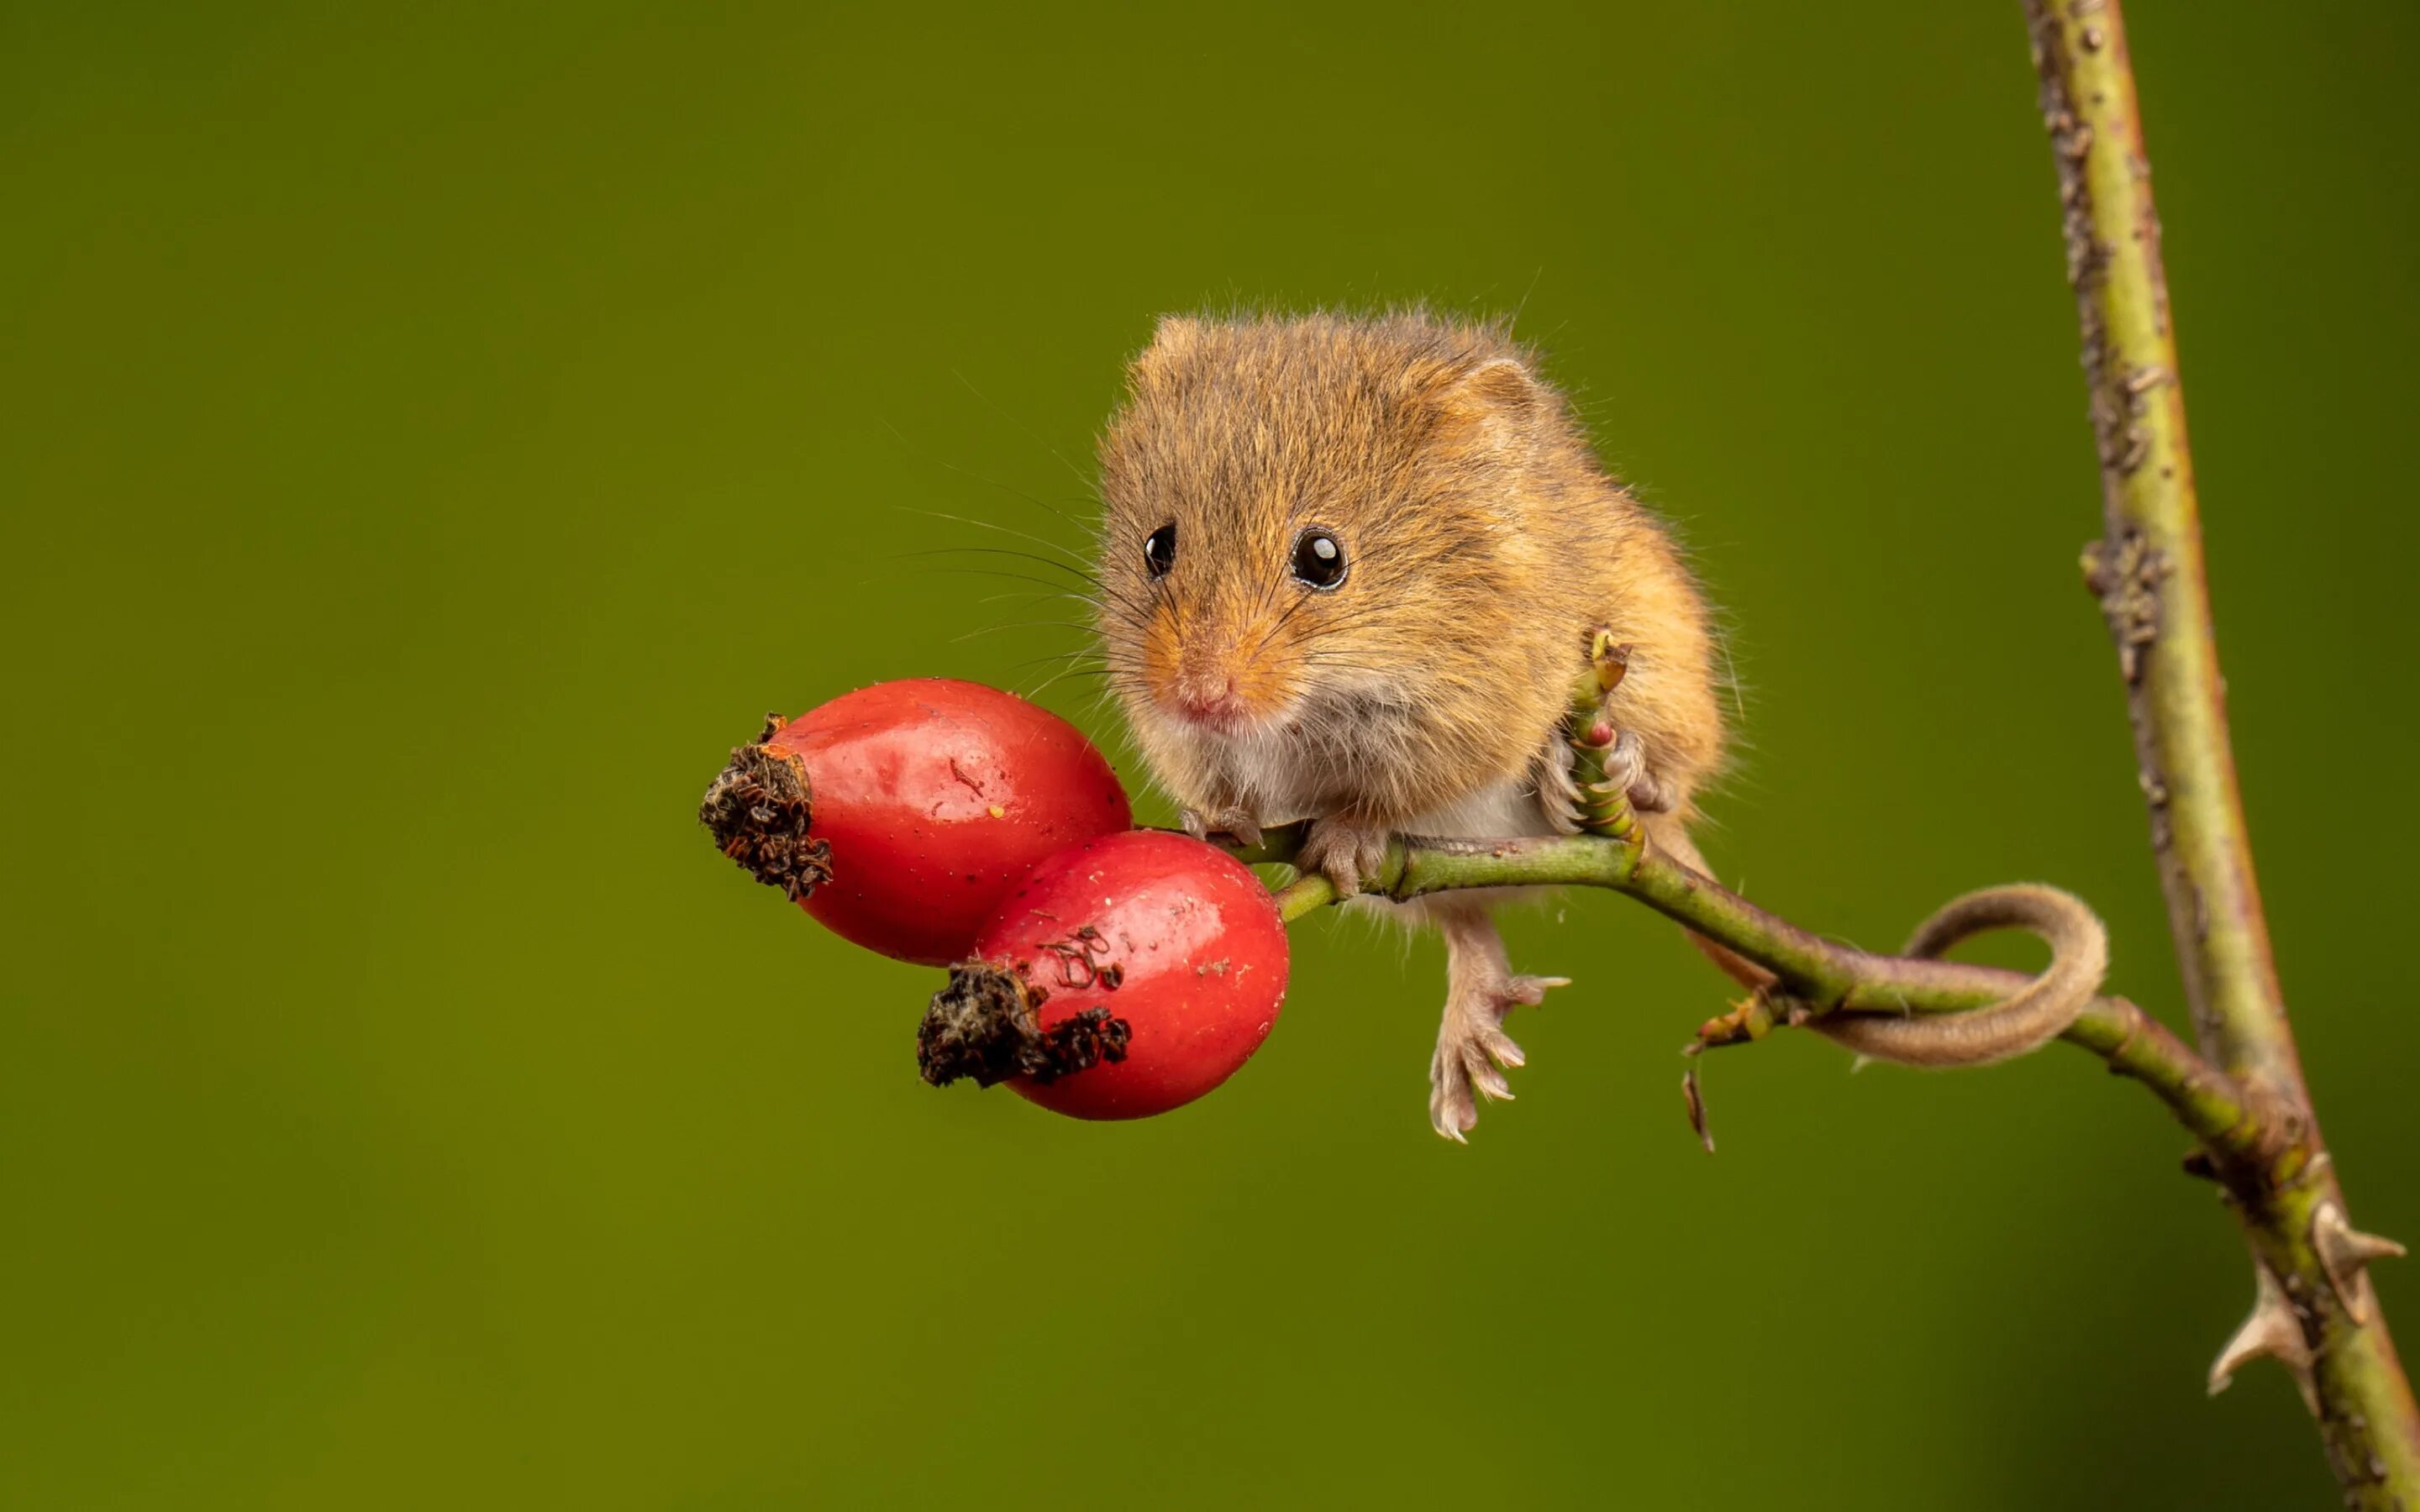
x=1315 y=515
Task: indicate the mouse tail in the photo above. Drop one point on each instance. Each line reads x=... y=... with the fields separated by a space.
x=2026 y=1019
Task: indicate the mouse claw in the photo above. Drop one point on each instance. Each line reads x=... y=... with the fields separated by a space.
x=1467 y=1066
x=1650 y=794
x=1625 y=765
x=1529 y=992
x=1347 y=852
x=1232 y=822
x=1473 y=1052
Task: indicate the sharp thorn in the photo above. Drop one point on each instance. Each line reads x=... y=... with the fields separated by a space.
x=2345 y=1254
x=2272 y=1330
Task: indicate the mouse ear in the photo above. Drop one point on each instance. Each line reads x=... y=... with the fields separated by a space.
x=1494 y=400
x=1175 y=334
x=1500 y=385
x=1171 y=340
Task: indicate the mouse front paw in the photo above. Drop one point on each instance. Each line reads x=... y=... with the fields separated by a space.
x=1473 y=1052
x=1347 y=852
x=1230 y=821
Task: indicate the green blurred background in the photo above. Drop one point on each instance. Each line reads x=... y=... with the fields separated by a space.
x=431 y=435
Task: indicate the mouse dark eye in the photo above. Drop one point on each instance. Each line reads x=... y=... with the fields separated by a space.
x=1318 y=559
x=1160 y=550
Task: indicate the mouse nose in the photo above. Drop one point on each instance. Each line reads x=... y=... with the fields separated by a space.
x=1209 y=698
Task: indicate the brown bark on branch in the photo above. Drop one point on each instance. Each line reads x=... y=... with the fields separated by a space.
x=2242 y=1096
x=2315 y=1310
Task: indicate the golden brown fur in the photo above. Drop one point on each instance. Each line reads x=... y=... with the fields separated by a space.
x=1425 y=692
x=1485 y=538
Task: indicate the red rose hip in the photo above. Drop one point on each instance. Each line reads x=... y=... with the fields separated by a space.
x=1123 y=977
x=900 y=814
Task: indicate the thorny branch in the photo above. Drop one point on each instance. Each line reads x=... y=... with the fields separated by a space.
x=2242 y=1130
x=2241 y=1096
x=2313 y=1309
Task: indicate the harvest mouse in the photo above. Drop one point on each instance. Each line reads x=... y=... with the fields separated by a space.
x=1350 y=567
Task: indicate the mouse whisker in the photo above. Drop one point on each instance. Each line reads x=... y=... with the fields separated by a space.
x=1029 y=596
x=982 y=478
x=1018 y=624
x=993 y=525
x=1030 y=434
x=1084 y=654
x=1057 y=588
x=1004 y=552
x=1057 y=678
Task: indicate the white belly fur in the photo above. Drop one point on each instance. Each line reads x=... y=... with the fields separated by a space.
x=1501 y=811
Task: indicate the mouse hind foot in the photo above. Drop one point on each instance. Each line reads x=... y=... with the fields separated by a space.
x=1473 y=1052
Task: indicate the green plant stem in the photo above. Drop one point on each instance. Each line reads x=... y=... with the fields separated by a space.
x=2242 y=1096
x=1818 y=975
x=2148 y=571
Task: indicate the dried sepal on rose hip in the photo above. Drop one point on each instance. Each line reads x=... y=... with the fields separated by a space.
x=987 y=1025
x=1123 y=977
x=898 y=815
x=760 y=811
